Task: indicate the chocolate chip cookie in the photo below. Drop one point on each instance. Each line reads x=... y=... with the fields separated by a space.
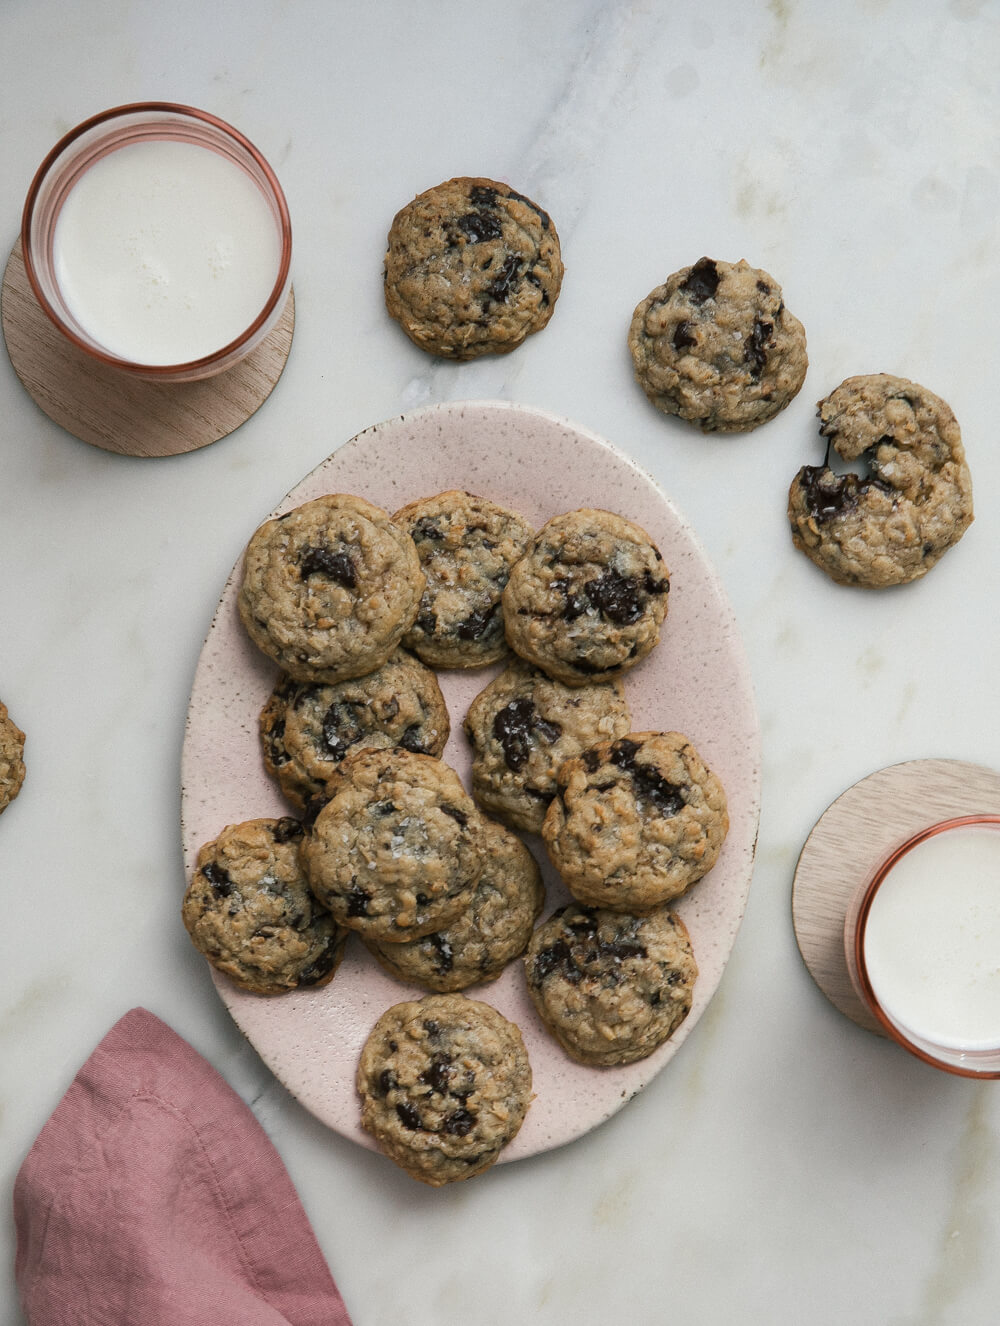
x=471 y=268
x=523 y=726
x=330 y=588
x=716 y=346
x=636 y=822
x=493 y=929
x=11 y=758
x=445 y=1083
x=249 y=910
x=611 y=987
x=586 y=601
x=398 y=849
x=891 y=524
x=466 y=546
x=307 y=728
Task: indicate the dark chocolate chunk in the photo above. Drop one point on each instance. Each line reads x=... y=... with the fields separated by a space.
x=459 y=816
x=756 y=345
x=323 y=965
x=320 y=560
x=480 y=226
x=410 y=740
x=505 y=280
x=682 y=336
x=341 y=729
x=458 y=1123
x=286 y=829
x=409 y=1117
x=650 y=784
x=616 y=597
x=219 y=879
x=702 y=281
x=438 y=1075
x=427 y=527
x=357 y=902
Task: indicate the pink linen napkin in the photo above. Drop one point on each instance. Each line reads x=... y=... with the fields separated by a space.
x=153 y=1197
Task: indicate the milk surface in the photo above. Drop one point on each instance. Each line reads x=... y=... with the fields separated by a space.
x=932 y=941
x=165 y=252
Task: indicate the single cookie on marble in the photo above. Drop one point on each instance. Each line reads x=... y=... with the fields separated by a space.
x=330 y=588
x=307 y=728
x=586 y=601
x=716 y=346
x=492 y=931
x=249 y=910
x=466 y=545
x=892 y=524
x=523 y=726
x=611 y=987
x=471 y=268
x=445 y=1083
x=397 y=850
x=636 y=821
x=11 y=758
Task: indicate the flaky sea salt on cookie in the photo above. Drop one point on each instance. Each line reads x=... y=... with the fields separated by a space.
x=330 y=588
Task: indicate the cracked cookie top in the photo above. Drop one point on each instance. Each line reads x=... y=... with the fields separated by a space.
x=330 y=588
x=586 y=601
x=716 y=346
x=471 y=268
x=445 y=1083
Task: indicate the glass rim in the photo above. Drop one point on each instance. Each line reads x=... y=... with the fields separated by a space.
x=151 y=108
x=867 y=991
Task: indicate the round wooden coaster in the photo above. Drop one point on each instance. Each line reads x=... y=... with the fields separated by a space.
x=853 y=837
x=120 y=413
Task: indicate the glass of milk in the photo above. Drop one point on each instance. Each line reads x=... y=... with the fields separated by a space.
x=922 y=941
x=157 y=238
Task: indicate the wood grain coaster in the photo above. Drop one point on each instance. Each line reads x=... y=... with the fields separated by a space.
x=117 y=412
x=853 y=837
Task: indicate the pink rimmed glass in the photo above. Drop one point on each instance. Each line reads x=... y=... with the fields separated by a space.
x=88 y=143
x=976 y=1063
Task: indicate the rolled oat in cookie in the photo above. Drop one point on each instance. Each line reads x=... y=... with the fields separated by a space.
x=472 y=268
x=396 y=851
x=11 y=758
x=636 y=822
x=445 y=1083
x=493 y=929
x=611 y=987
x=249 y=910
x=466 y=545
x=716 y=346
x=523 y=726
x=330 y=588
x=892 y=523
x=307 y=728
x=586 y=601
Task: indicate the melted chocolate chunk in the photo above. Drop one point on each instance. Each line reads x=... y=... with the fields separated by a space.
x=616 y=597
x=287 y=829
x=504 y=282
x=427 y=527
x=357 y=902
x=682 y=336
x=458 y=1123
x=219 y=879
x=702 y=281
x=513 y=728
x=755 y=347
x=459 y=816
x=409 y=1116
x=444 y=954
x=438 y=1075
x=386 y=1081
x=477 y=624
x=542 y=216
x=323 y=965
x=337 y=566
x=649 y=783
x=480 y=226
x=340 y=729
x=410 y=740
x=574 y=606
x=426 y=622
x=557 y=957
x=591 y=761
x=483 y=196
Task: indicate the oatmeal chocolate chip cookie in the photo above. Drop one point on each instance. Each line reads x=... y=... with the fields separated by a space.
x=249 y=910
x=586 y=601
x=397 y=850
x=330 y=588
x=445 y=1083
x=306 y=728
x=611 y=987
x=892 y=524
x=716 y=346
x=11 y=758
x=472 y=268
x=523 y=726
x=637 y=821
x=466 y=547
x=492 y=930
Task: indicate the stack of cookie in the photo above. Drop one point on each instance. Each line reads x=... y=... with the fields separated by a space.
x=358 y=608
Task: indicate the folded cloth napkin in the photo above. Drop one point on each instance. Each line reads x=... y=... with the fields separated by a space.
x=152 y=1197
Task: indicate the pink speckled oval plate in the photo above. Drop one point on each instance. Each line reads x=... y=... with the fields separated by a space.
x=695 y=681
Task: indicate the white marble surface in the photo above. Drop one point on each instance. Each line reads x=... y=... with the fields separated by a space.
x=787 y=1167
